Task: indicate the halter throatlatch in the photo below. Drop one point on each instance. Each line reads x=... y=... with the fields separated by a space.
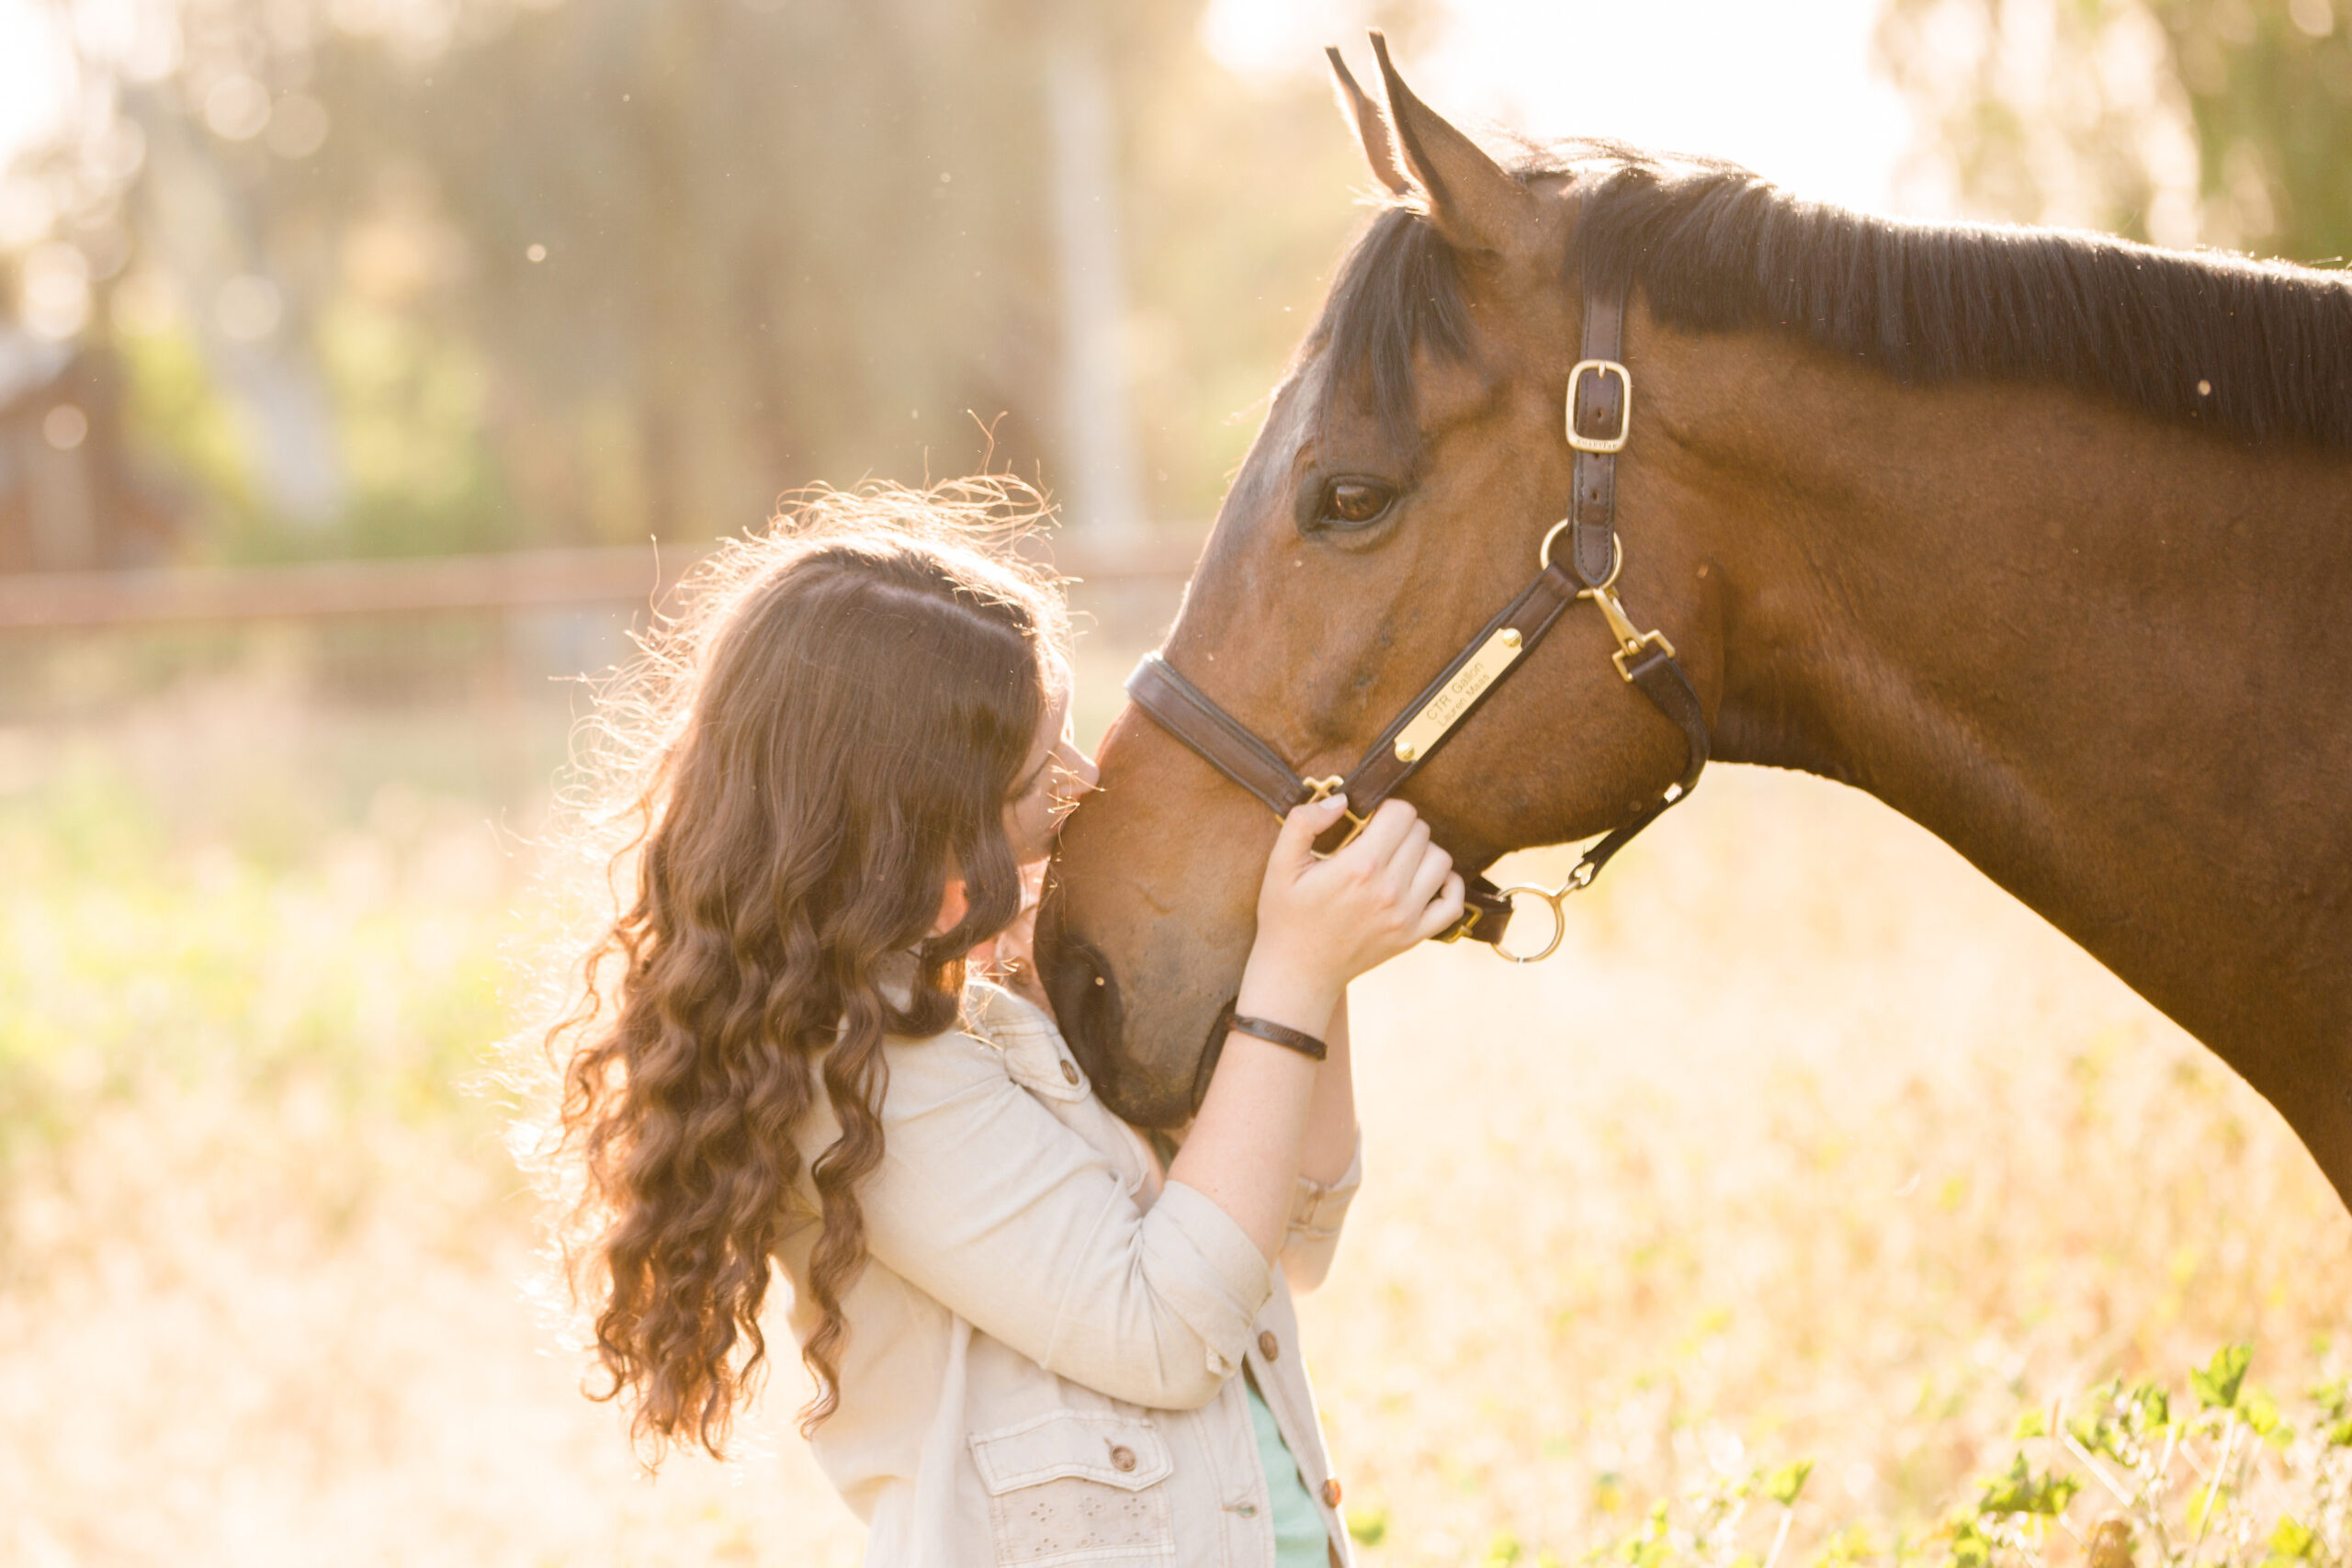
x=1599 y=417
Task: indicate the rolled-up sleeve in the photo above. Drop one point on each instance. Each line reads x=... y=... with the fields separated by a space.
x=1317 y=1211
x=991 y=1205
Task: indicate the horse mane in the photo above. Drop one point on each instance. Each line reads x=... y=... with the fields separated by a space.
x=2262 y=350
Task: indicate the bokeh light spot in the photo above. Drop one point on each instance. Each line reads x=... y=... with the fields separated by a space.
x=248 y=307
x=65 y=426
x=237 y=108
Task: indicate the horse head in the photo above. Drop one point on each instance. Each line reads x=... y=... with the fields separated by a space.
x=1402 y=490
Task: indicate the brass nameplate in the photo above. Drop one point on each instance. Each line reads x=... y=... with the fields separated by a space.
x=1443 y=712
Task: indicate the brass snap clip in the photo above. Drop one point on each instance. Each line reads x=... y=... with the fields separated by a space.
x=1631 y=639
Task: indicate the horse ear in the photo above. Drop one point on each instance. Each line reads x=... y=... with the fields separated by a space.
x=1370 y=129
x=1474 y=202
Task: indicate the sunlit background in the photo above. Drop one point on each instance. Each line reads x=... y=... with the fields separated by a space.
x=369 y=366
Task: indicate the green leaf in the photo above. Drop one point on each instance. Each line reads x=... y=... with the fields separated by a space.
x=2155 y=1405
x=2097 y=1433
x=2216 y=1384
x=2033 y=1423
x=1369 y=1526
x=1783 y=1484
x=1651 y=1545
x=1502 y=1550
x=2333 y=1399
x=2261 y=1411
x=2339 y=1433
x=2022 y=1492
x=1969 y=1546
x=2292 y=1540
x=1849 y=1547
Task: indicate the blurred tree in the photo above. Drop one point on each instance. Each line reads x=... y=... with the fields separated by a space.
x=451 y=273
x=2215 y=121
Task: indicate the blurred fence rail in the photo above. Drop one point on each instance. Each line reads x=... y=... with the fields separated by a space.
x=85 y=600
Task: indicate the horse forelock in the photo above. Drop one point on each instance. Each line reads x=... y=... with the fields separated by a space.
x=2259 y=349
x=1398 y=289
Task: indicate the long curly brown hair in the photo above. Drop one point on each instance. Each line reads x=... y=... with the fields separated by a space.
x=793 y=771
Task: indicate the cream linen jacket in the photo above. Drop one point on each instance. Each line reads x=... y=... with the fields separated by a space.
x=1044 y=1343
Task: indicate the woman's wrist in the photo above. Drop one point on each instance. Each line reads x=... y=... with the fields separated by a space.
x=1288 y=994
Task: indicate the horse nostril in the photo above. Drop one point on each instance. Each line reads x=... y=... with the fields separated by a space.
x=1086 y=1004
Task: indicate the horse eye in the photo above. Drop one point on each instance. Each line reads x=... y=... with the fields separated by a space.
x=1351 y=503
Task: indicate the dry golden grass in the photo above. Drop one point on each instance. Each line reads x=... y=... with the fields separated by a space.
x=1809 y=1144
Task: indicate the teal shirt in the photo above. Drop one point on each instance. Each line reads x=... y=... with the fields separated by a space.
x=1298 y=1527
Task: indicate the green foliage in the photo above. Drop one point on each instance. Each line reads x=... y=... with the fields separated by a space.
x=1650 y=1545
x=2291 y=1542
x=1784 y=1484
x=1847 y=1547
x=2335 y=1402
x=2216 y=1384
x=2020 y=1491
x=2257 y=95
x=134 y=964
x=1971 y=1547
x=2171 y=1494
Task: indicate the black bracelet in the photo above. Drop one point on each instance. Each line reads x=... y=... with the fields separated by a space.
x=1298 y=1039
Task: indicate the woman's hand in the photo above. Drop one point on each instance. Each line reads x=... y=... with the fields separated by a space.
x=1323 y=922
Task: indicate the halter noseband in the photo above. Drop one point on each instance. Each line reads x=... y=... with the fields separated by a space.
x=1599 y=398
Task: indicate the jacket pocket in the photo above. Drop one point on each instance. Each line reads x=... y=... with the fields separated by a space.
x=1075 y=1487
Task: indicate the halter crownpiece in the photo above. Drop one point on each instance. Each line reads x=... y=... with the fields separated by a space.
x=1598 y=416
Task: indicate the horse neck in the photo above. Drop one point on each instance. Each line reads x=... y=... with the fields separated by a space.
x=2101 y=657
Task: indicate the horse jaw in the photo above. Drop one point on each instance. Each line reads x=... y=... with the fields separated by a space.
x=1130 y=911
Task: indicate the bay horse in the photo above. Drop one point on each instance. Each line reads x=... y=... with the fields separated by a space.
x=2042 y=539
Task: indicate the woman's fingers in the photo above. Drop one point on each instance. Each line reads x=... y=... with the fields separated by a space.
x=1429 y=876
x=1394 y=875
x=1378 y=843
x=1443 y=910
x=1295 y=845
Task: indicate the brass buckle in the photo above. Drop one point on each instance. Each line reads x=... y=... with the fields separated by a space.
x=1323 y=789
x=1465 y=926
x=1616 y=443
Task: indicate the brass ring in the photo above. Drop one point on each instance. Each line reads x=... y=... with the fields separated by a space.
x=1616 y=555
x=1559 y=921
x=1544 y=550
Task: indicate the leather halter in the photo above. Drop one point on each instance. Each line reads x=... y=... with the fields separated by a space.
x=1598 y=418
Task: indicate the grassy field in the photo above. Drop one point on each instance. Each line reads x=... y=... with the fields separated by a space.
x=1809 y=1145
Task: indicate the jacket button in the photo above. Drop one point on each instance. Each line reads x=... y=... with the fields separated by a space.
x=1331 y=1493
x=1123 y=1459
x=1070 y=1072
x=1268 y=1346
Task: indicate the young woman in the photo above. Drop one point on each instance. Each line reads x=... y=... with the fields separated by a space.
x=1031 y=1343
